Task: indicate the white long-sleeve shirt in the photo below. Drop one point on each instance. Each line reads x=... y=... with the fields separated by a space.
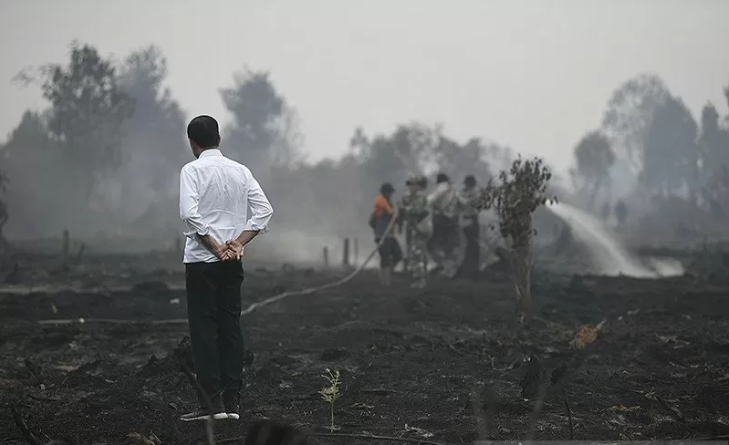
x=215 y=193
x=444 y=200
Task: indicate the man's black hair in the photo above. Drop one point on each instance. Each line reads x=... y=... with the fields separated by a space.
x=470 y=181
x=386 y=188
x=442 y=177
x=204 y=131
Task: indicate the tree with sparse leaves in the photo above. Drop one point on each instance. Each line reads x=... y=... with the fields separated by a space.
x=417 y=148
x=265 y=129
x=594 y=158
x=515 y=195
x=606 y=211
x=713 y=152
x=460 y=160
x=154 y=146
x=4 y=216
x=628 y=114
x=392 y=158
x=670 y=156
x=39 y=200
x=158 y=121
x=621 y=212
x=87 y=115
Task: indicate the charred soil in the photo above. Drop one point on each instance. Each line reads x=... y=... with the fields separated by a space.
x=443 y=364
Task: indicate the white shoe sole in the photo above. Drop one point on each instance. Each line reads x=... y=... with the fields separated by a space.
x=217 y=416
x=233 y=416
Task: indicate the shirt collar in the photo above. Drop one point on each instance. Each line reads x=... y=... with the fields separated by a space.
x=210 y=152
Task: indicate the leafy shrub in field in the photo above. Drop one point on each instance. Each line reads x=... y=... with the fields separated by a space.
x=515 y=195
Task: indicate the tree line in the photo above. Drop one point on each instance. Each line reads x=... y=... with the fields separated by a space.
x=652 y=135
x=105 y=152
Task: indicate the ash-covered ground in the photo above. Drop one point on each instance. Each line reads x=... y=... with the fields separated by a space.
x=442 y=364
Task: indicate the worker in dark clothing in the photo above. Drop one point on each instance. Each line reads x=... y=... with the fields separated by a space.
x=471 y=229
x=444 y=245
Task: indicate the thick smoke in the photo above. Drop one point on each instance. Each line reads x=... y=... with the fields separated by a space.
x=102 y=159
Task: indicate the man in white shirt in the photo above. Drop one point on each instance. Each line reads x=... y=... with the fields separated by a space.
x=215 y=194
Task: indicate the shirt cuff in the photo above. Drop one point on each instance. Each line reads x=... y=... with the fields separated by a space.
x=252 y=226
x=195 y=233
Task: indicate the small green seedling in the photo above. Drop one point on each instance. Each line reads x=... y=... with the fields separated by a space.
x=330 y=394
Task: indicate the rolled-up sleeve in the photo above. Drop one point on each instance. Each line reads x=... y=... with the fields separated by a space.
x=261 y=209
x=189 y=199
x=437 y=195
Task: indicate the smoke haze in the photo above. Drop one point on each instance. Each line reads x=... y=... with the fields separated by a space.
x=325 y=101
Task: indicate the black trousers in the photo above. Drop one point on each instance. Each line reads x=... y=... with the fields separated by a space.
x=213 y=311
x=445 y=239
x=471 y=258
x=390 y=252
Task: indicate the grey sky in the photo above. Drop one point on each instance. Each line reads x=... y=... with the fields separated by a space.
x=532 y=74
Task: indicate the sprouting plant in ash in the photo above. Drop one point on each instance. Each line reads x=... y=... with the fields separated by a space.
x=330 y=394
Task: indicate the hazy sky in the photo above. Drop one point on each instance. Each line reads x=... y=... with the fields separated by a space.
x=532 y=74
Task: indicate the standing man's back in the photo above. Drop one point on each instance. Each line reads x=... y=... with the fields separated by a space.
x=225 y=189
x=215 y=194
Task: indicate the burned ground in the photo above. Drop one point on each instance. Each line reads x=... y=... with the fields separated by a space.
x=422 y=364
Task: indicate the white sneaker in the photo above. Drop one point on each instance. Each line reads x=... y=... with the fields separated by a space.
x=202 y=414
